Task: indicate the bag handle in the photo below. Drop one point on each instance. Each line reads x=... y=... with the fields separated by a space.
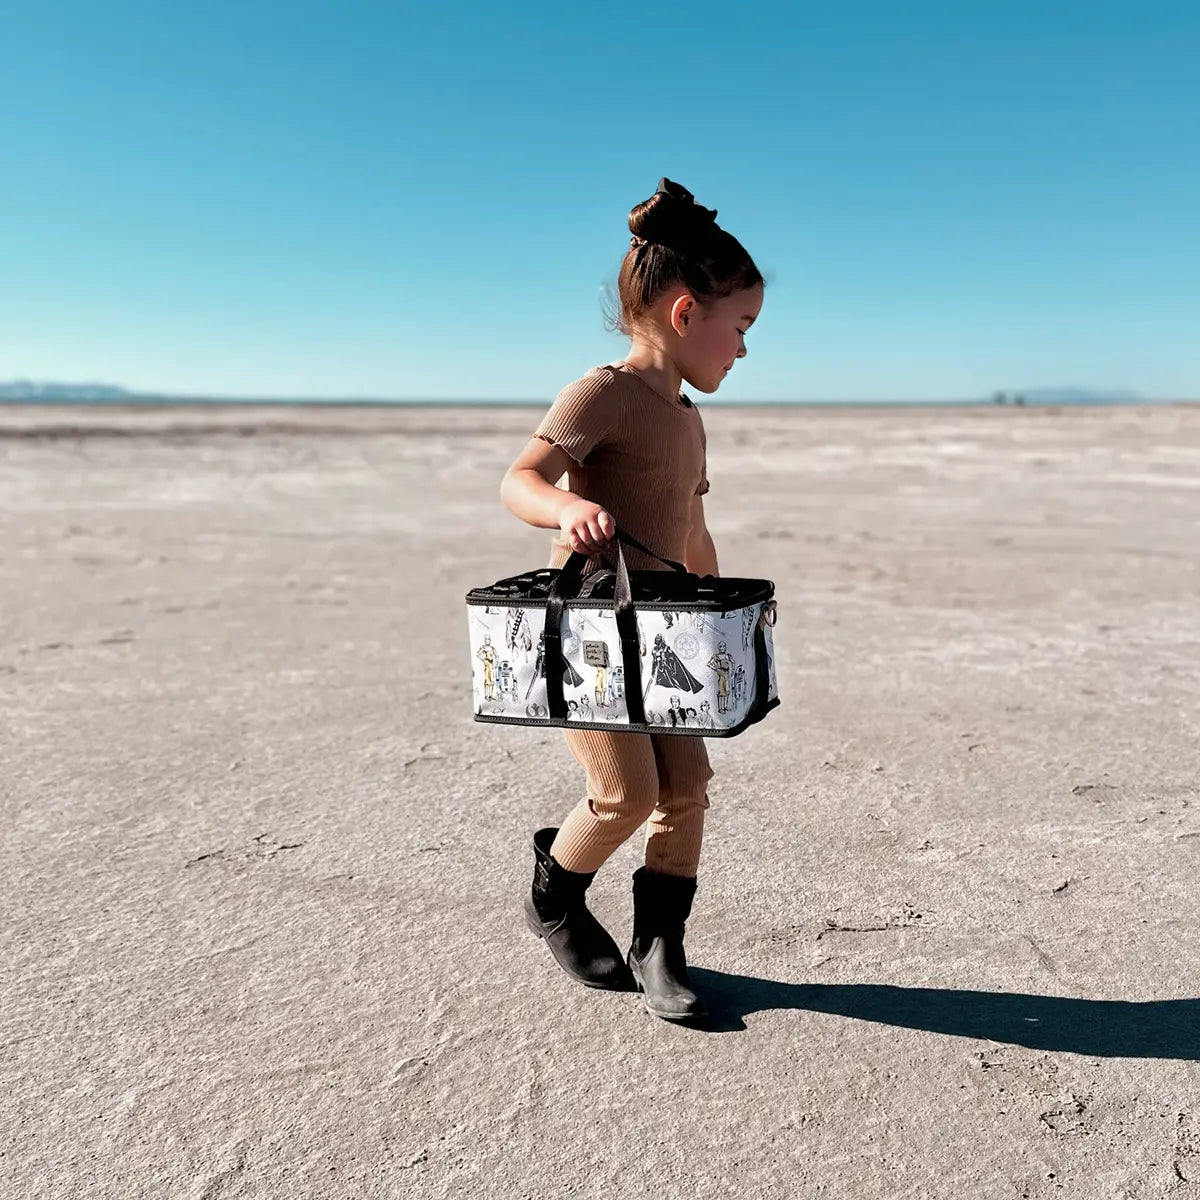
x=566 y=587
x=634 y=544
x=569 y=580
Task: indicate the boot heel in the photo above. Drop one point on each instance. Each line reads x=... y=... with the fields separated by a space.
x=532 y=923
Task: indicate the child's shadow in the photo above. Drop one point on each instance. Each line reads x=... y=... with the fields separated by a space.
x=1098 y=1028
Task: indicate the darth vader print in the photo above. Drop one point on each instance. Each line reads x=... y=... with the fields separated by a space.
x=668 y=671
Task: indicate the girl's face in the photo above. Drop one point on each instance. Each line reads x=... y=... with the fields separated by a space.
x=714 y=337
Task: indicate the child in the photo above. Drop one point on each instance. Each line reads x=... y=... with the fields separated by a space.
x=633 y=450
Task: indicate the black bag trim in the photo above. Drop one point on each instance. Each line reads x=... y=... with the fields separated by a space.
x=615 y=727
x=565 y=585
x=568 y=584
x=631 y=641
x=762 y=673
x=724 y=605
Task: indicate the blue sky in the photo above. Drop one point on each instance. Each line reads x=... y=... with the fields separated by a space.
x=418 y=200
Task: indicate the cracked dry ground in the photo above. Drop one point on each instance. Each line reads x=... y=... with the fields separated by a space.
x=263 y=934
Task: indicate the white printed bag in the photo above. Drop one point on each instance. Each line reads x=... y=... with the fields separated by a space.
x=644 y=651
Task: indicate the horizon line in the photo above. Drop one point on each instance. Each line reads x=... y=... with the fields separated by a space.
x=170 y=401
x=146 y=402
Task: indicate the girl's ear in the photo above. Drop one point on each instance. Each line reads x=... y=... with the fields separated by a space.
x=683 y=313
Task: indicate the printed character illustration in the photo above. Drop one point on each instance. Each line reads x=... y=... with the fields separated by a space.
x=487 y=654
x=705 y=718
x=616 y=684
x=595 y=654
x=570 y=675
x=585 y=709
x=516 y=633
x=739 y=684
x=677 y=713
x=668 y=671
x=748 y=622
x=601 y=687
x=505 y=680
x=722 y=662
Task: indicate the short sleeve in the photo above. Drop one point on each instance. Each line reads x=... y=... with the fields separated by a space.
x=582 y=417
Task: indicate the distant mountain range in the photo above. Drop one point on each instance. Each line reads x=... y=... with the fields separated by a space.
x=1068 y=395
x=23 y=391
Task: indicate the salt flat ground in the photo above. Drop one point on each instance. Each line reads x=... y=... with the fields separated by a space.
x=263 y=874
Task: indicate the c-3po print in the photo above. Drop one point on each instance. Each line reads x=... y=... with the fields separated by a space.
x=487 y=654
x=722 y=662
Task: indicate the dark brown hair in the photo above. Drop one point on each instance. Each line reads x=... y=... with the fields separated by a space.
x=675 y=240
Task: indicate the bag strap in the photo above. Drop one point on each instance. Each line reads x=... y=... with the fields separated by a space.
x=762 y=665
x=634 y=544
x=566 y=586
x=631 y=641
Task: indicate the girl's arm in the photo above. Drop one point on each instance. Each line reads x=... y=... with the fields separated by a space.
x=700 y=557
x=529 y=491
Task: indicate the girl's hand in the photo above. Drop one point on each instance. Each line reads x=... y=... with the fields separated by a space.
x=587 y=528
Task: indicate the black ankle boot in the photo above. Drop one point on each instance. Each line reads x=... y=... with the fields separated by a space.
x=556 y=910
x=661 y=905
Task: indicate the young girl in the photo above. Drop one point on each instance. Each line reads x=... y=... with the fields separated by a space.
x=632 y=447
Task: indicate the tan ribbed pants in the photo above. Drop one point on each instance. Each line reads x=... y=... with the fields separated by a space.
x=634 y=778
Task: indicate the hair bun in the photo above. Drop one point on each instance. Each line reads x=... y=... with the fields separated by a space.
x=671 y=217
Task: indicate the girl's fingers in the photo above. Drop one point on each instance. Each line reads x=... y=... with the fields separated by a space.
x=590 y=537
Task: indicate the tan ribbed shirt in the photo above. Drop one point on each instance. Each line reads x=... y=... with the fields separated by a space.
x=634 y=452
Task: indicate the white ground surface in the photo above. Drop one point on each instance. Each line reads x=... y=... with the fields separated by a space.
x=262 y=930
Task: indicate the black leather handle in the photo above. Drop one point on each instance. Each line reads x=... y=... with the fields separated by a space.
x=631 y=641
x=577 y=559
x=566 y=587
